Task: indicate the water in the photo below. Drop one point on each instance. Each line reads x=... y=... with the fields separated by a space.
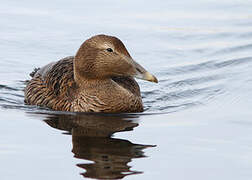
x=197 y=120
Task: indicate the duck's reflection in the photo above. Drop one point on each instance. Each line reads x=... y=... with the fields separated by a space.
x=91 y=138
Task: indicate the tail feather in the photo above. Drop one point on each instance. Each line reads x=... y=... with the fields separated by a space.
x=32 y=74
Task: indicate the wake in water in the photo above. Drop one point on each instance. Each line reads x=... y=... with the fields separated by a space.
x=12 y=96
x=180 y=87
x=195 y=84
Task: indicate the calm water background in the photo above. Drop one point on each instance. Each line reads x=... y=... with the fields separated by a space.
x=198 y=119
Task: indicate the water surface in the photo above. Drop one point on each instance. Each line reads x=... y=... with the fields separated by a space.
x=197 y=121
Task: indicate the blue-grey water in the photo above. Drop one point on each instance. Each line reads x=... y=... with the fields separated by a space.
x=197 y=122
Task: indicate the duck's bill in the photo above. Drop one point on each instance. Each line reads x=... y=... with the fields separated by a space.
x=147 y=76
x=141 y=73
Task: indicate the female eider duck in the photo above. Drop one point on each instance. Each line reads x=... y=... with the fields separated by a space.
x=99 y=78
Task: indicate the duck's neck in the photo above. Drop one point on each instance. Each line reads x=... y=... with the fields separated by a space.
x=94 y=83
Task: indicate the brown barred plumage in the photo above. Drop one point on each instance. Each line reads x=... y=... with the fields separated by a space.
x=93 y=81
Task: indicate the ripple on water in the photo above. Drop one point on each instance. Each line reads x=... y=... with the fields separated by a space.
x=204 y=66
x=180 y=87
x=233 y=49
x=12 y=96
x=191 y=85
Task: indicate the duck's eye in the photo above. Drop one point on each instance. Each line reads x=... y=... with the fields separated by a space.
x=110 y=50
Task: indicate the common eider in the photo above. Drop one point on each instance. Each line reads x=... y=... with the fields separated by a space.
x=99 y=78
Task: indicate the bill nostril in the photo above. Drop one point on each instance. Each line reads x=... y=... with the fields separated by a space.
x=139 y=70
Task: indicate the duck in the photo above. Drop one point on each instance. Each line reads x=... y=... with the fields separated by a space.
x=99 y=78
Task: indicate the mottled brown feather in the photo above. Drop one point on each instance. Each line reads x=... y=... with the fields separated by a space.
x=80 y=84
x=58 y=91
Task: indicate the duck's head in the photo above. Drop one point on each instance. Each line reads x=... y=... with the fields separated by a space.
x=102 y=57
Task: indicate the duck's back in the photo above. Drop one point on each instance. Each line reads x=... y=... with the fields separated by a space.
x=53 y=86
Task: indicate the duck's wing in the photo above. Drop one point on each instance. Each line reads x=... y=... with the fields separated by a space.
x=53 y=85
x=59 y=76
x=128 y=83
